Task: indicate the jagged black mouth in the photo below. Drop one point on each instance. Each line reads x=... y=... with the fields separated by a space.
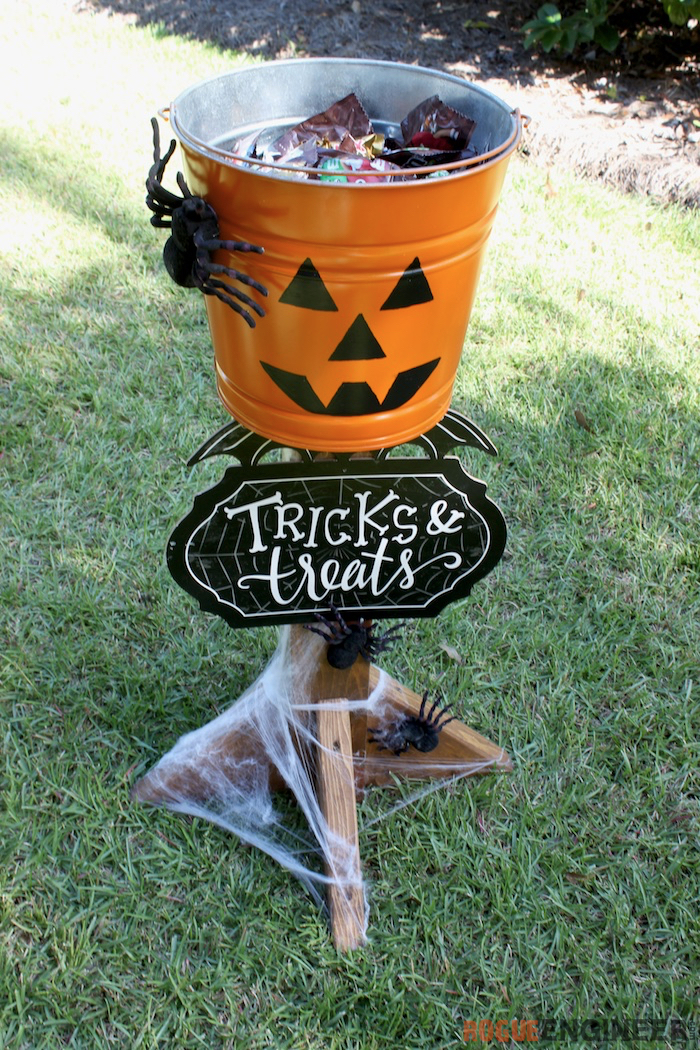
x=351 y=399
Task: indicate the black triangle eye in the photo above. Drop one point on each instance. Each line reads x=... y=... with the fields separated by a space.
x=412 y=287
x=306 y=289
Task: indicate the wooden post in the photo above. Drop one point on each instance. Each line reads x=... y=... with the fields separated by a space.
x=335 y=777
x=336 y=793
x=345 y=761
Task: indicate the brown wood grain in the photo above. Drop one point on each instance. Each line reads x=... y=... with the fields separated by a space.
x=344 y=761
x=336 y=792
x=460 y=750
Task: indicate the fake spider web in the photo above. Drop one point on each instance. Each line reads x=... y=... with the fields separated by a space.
x=225 y=772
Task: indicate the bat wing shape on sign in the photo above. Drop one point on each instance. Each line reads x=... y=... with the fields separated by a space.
x=275 y=543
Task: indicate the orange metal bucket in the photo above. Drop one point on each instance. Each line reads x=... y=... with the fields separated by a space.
x=370 y=286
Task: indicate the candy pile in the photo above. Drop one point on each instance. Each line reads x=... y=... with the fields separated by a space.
x=341 y=144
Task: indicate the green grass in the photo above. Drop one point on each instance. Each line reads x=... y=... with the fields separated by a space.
x=565 y=889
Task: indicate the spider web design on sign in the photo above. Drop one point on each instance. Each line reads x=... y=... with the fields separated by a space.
x=277 y=542
x=424 y=521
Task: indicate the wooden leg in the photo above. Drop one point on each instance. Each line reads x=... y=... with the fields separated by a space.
x=171 y=783
x=336 y=791
x=345 y=760
x=460 y=750
x=335 y=777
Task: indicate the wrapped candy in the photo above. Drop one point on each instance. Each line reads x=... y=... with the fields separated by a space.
x=341 y=145
x=337 y=167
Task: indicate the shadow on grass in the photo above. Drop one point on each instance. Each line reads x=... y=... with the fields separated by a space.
x=89 y=192
x=586 y=502
x=412 y=31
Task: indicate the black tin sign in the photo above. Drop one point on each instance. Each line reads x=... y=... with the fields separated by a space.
x=274 y=543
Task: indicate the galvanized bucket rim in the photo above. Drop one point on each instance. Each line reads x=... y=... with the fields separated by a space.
x=403 y=178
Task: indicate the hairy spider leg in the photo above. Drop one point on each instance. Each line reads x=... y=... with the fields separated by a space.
x=210 y=287
x=235 y=246
x=335 y=612
x=337 y=624
x=180 y=179
x=227 y=288
x=204 y=269
x=338 y=628
x=163 y=203
x=213 y=245
x=160 y=200
x=424 y=701
x=322 y=634
x=380 y=645
x=396 y=627
x=428 y=718
x=435 y=723
x=202 y=273
x=160 y=162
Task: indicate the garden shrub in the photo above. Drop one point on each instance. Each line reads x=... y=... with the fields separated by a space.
x=594 y=23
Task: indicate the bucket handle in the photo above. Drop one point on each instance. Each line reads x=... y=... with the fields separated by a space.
x=195 y=237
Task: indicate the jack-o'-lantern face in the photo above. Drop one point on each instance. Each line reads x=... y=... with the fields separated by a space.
x=354 y=397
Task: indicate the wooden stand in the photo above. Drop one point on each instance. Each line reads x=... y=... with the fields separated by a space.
x=346 y=762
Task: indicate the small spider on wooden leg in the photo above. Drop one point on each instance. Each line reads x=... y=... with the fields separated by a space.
x=421 y=731
x=194 y=236
x=347 y=642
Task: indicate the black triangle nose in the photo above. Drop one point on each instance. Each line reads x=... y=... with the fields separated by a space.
x=358 y=343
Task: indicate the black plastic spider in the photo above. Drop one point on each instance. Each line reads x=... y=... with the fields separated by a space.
x=194 y=236
x=347 y=642
x=421 y=731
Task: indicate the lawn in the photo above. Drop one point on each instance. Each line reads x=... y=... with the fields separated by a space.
x=565 y=889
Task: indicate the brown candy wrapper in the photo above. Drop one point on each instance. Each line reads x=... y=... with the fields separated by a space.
x=338 y=127
x=343 y=143
x=442 y=122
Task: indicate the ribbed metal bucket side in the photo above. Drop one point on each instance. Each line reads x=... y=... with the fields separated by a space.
x=370 y=286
